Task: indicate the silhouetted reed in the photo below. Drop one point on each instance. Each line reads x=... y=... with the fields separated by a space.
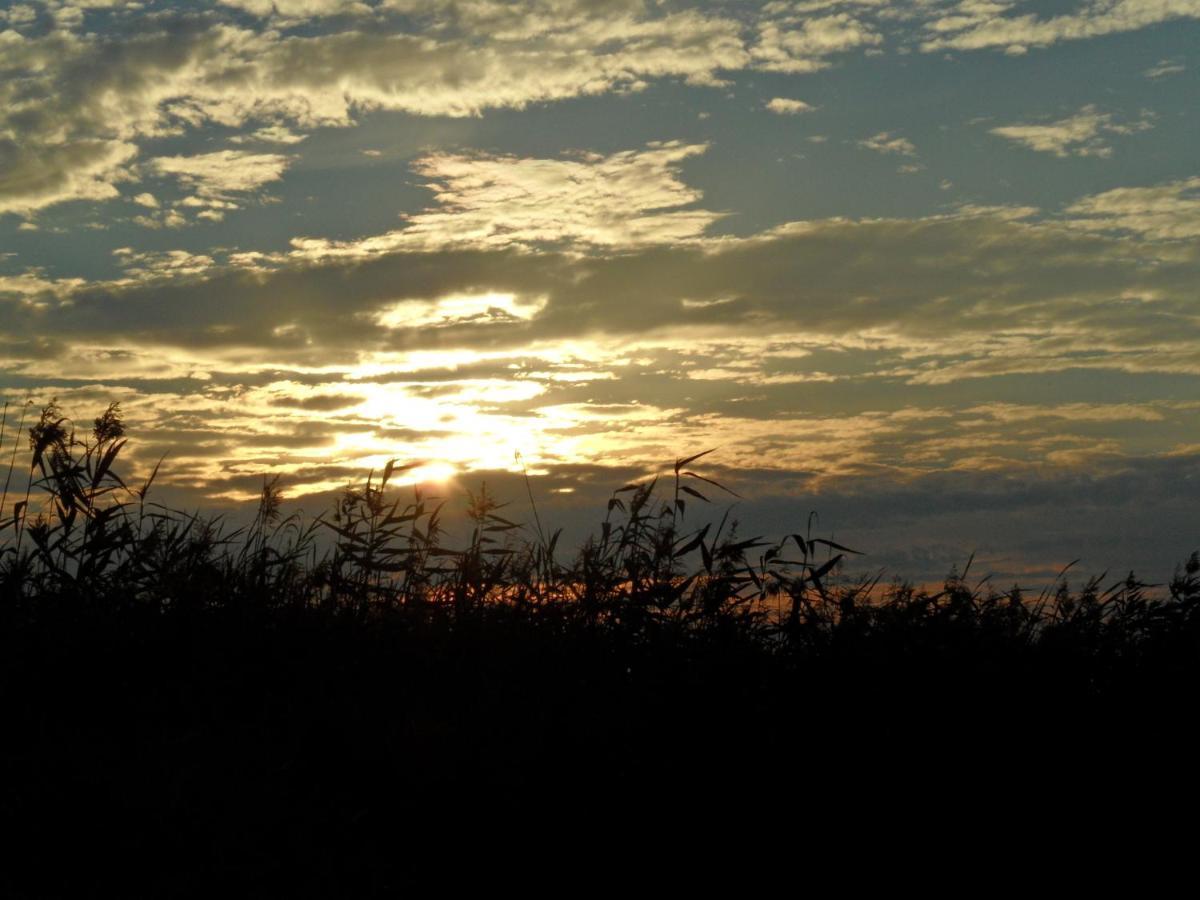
x=80 y=531
x=287 y=689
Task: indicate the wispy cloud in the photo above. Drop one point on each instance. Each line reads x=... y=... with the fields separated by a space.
x=982 y=24
x=1083 y=134
x=77 y=103
x=975 y=296
x=783 y=106
x=33 y=177
x=626 y=199
x=223 y=173
x=217 y=183
x=1163 y=68
x=271 y=134
x=887 y=142
x=1160 y=212
x=298 y=9
x=145 y=264
x=96 y=94
x=800 y=43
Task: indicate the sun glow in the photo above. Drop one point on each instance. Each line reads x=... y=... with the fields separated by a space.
x=437 y=472
x=441 y=415
x=463 y=425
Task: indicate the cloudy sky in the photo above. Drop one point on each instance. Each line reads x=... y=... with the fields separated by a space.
x=930 y=268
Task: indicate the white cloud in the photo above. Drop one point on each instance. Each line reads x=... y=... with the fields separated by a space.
x=167 y=218
x=980 y=24
x=839 y=349
x=33 y=283
x=793 y=44
x=1162 y=212
x=782 y=106
x=19 y=15
x=223 y=172
x=298 y=9
x=625 y=199
x=1004 y=213
x=1079 y=135
x=271 y=134
x=143 y=265
x=968 y=295
x=74 y=105
x=1164 y=67
x=886 y=142
x=35 y=177
x=219 y=182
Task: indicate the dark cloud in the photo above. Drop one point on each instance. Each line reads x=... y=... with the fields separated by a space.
x=319 y=402
x=1011 y=292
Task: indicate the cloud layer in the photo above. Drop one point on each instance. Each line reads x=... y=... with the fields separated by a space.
x=76 y=103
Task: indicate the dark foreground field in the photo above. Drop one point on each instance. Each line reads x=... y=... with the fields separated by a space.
x=190 y=711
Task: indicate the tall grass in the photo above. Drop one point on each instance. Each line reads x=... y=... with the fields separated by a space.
x=81 y=533
x=275 y=703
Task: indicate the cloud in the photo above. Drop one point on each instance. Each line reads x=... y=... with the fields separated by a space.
x=1079 y=135
x=868 y=365
x=298 y=9
x=272 y=134
x=886 y=142
x=625 y=199
x=33 y=177
x=1161 y=212
x=591 y=50
x=981 y=24
x=143 y=265
x=19 y=14
x=219 y=182
x=860 y=457
x=32 y=285
x=318 y=402
x=164 y=218
x=782 y=106
x=1163 y=68
x=224 y=173
x=804 y=44
x=74 y=106
x=951 y=297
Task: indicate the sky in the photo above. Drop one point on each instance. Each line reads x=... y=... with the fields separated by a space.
x=929 y=269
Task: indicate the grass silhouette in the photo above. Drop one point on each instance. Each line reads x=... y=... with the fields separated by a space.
x=259 y=703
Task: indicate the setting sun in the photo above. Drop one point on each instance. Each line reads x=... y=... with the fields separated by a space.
x=428 y=473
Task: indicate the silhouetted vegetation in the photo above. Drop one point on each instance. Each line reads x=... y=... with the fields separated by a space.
x=265 y=701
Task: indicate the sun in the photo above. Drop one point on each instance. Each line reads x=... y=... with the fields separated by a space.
x=437 y=472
